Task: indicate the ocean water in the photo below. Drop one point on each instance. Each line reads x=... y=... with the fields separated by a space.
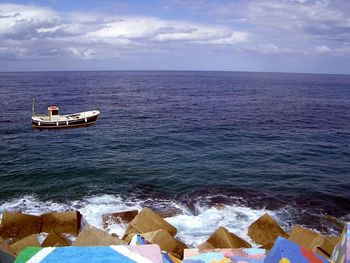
x=218 y=148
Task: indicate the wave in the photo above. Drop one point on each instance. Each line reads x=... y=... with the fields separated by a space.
x=195 y=223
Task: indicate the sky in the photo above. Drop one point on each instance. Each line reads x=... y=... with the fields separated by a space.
x=311 y=36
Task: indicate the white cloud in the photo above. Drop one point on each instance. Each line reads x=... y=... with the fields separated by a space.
x=311 y=19
x=234 y=38
x=299 y=1
x=269 y=49
x=155 y=29
x=18 y=18
x=322 y=50
x=304 y=27
x=85 y=53
x=86 y=34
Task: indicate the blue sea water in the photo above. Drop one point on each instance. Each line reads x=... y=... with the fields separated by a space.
x=268 y=141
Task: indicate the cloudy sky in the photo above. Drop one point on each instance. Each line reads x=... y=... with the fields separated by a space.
x=238 y=35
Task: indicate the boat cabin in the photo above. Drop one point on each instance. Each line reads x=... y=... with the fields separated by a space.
x=53 y=111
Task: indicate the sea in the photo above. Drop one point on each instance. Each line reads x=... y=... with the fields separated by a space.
x=208 y=148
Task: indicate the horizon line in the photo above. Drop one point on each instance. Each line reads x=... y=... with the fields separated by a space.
x=172 y=70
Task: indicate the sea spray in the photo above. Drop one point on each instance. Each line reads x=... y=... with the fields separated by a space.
x=192 y=228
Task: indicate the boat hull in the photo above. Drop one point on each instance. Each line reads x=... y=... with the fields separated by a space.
x=64 y=124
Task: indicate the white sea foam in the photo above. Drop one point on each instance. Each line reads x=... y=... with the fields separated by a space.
x=193 y=229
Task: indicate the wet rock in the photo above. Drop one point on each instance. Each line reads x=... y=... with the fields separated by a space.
x=55 y=240
x=91 y=236
x=161 y=237
x=179 y=250
x=314 y=241
x=169 y=213
x=118 y=218
x=265 y=230
x=222 y=238
x=149 y=221
x=340 y=223
x=16 y=226
x=219 y=206
x=29 y=241
x=61 y=222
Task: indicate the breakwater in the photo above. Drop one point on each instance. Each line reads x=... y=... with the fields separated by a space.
x=19 y=231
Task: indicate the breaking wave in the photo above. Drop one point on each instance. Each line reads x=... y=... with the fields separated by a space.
x=195 y=222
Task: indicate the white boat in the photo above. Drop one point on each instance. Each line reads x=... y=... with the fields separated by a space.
x=54 y=120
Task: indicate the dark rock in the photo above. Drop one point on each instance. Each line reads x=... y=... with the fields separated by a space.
x=61 y=222
x=16 y=226
x=179 y=251
x=55 y=240
x=118 y=218
x=169 y=213
x=340 y=223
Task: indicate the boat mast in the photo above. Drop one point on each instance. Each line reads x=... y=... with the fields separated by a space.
x=33 y=107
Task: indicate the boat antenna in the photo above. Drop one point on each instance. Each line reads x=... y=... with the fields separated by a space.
x=33 y=107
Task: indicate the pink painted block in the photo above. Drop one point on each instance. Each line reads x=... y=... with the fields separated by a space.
x=151 y=252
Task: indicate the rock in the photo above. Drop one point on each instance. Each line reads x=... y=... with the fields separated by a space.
x=55 y=240
x=118 y=218
x=333 y=239
x=61 y=222
x=265 y=230
x=179 y=250
x=149 y=221
x=334 y=220
x=327 y=246
x=205 y=246
x=114 y=235
x=17 y=225
x=222 y=238
x=169 y=213
x=91 y=236
x=5 y=247
x=29 y=241
x=161 y=237
x=314 y=241
x=219 y=206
